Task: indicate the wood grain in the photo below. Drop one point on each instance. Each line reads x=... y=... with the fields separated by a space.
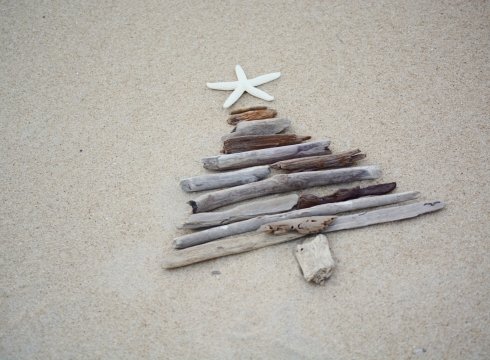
x=322 y=162
x=242 y=110
x=252 y=115
x=256 y=142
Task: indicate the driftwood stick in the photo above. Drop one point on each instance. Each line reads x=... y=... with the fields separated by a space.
x=305 y=225
x=265 y=156
x=315 y=259
x=263 y=127
x=282 y=183
x=256 y=142
x=249 y=242
x=242 y=212
x=225 y=179
x=252 y=115
x=309 y=200
x=253 y=224
x=242 y=110
x=343 y=159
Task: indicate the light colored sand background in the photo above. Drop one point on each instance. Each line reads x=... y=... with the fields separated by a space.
x=103 y=108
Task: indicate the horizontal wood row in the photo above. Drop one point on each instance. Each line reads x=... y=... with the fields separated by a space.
x=312 y=163
x=263 y=127
x=256 y=142
x=249 y=115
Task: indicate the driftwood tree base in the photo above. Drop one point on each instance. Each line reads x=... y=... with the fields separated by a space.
x=315 y=259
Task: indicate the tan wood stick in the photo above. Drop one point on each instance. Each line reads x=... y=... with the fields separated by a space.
x=252 y=115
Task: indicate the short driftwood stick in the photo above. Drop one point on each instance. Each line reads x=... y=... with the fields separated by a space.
x=263 y=127
x=252 y=115
x=248 y=242
x=309 y=200
x=242 y=110
x=256 y=142
x=265 y=156
x=305 y=225
x=225 y=179
x=311 y=163
x=321 y=210
x=315 y=259
x=242 y=212
x=282 y=183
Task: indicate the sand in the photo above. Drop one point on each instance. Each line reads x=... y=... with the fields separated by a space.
x=103 y=108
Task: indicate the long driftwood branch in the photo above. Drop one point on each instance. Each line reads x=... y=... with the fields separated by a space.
x=249 y=242
x=256 y=142
x=242 y=212
x=309 y=200
x=225 y=179
x=282 y=183
x=265 y=156
x=263 y=127
x=218 y=232
x=252 y=115
x=343 y=159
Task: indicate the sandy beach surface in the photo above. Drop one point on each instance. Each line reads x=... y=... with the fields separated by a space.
x=103 y=108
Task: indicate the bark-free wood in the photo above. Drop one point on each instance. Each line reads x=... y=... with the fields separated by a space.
x=309 y=200
x=256 y=142
x=246 y=211
x=242 y=110
x=282 y=183
x=263 y=127
x=315 y=259
x=225 y=179
x=251 y=241
x=265 y=156
x=252 y=115
x=253 y=224
x=343 y=159
x=305 y=225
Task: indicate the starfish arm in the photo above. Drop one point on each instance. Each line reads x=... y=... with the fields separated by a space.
x=259 y=80
x=230 y=85
x=259 y=93
x=240 y=74
x=234 y=96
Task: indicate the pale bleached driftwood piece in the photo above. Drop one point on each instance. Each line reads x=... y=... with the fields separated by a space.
x=246 y=211
x=253 y=224
x=225 y=179
x=265 y=156
x=252 y=115
x=251 y=241
x=342 y=159
x=242 y=110
x=263 y=127
x=315 y=259
x=305 y=225
x=282 y=183
x=256 y=142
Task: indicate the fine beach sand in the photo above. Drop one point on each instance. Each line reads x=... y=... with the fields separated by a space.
x=103 y=108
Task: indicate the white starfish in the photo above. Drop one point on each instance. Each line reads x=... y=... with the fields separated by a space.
x=243 y=84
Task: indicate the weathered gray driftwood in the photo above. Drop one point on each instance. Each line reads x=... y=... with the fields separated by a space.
x=282 y=183
x=249 y=242
x=305 y=225
x=315 y=259
x=342 y=159
x=246 y=211
x=256 y=142
x=225 y=179
x=265 y=156
x=263 y=127
x=218 y=232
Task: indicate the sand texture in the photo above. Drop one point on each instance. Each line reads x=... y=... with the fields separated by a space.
x=104 y=108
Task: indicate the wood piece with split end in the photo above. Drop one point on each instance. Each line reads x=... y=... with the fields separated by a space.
x=263 y=127
x=343 y=159
x=315 y=259
x=309 y=200
x=256 y=142
x=252 y=115
x=242 y=110
x=305 y=225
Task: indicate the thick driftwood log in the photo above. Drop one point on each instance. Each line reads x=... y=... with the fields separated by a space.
x=242 y=110
x=242 y=212
x=315 y=259
x=282 y=183
x=343 y=159
x=248 y=242
x=265 y=156
x=320 y=210
x=309 y=200
x=256 y=142
x=305 y=225
x=225 y=179
x=263 y=127
x=252 y=115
